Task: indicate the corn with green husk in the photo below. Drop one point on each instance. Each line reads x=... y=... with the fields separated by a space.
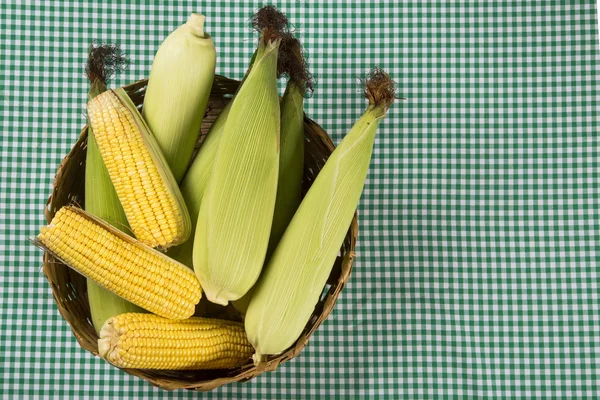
x=100 y=197
x=234 y=220
x=291 y=155
x=292 y=281
x=178 y=90
x=142 y=179
x=291 y=161
x=196 y=178
x=291 y=168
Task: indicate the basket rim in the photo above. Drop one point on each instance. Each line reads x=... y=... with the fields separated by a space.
x=339 y=276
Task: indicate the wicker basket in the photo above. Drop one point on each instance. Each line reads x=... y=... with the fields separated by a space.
x=70 y=290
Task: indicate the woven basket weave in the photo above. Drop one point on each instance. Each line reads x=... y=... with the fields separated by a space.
x=70 y=290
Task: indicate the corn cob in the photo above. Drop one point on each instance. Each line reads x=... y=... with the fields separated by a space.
x=100 y=197
x=178 y=90
x=142 y=179
x=291 y=162
x=291 y=168
x=151 y=342
x=235 y=216
x=289 y=287
x=121 y=264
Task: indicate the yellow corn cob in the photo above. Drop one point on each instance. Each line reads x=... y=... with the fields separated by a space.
x=139 y=172
x=121 y=264
x=101 y=201
x=147 y=341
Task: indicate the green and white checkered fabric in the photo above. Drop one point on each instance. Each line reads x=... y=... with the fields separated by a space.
x=478 y=257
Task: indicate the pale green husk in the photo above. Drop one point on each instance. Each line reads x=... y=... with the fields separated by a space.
x=236 y=212
x=195 y=181
x=291 y=283
x=178 y=90
x=291 y=162
x=291 y=168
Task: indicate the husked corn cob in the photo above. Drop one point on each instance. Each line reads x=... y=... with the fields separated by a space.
x=148 y=341
x=139 y=172
x=101 y=201
x=121 y=264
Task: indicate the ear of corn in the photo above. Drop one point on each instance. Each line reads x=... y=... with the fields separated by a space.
x=291 y=284
x=139 y=172
x=291 y=168
x=236 y=212
x=291 y=162
x=151 y=342
x=178 y=91
x=102 y=202
x=121 y=264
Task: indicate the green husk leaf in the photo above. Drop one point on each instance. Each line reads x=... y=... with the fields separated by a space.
x=195 y=182
x=291 y=168
x=291 y=162
x=236 y=212
x=178 y=91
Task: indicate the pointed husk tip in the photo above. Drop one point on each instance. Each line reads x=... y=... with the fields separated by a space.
x=196 y=23
x=258 y=358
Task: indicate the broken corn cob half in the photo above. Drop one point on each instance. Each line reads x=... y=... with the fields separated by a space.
x=121 y=264
x=147 y=341
x=138 y=170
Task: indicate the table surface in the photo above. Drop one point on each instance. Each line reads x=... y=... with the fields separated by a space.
x=477 y=271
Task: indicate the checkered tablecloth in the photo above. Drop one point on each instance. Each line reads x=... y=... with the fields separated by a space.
x=478 y=257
